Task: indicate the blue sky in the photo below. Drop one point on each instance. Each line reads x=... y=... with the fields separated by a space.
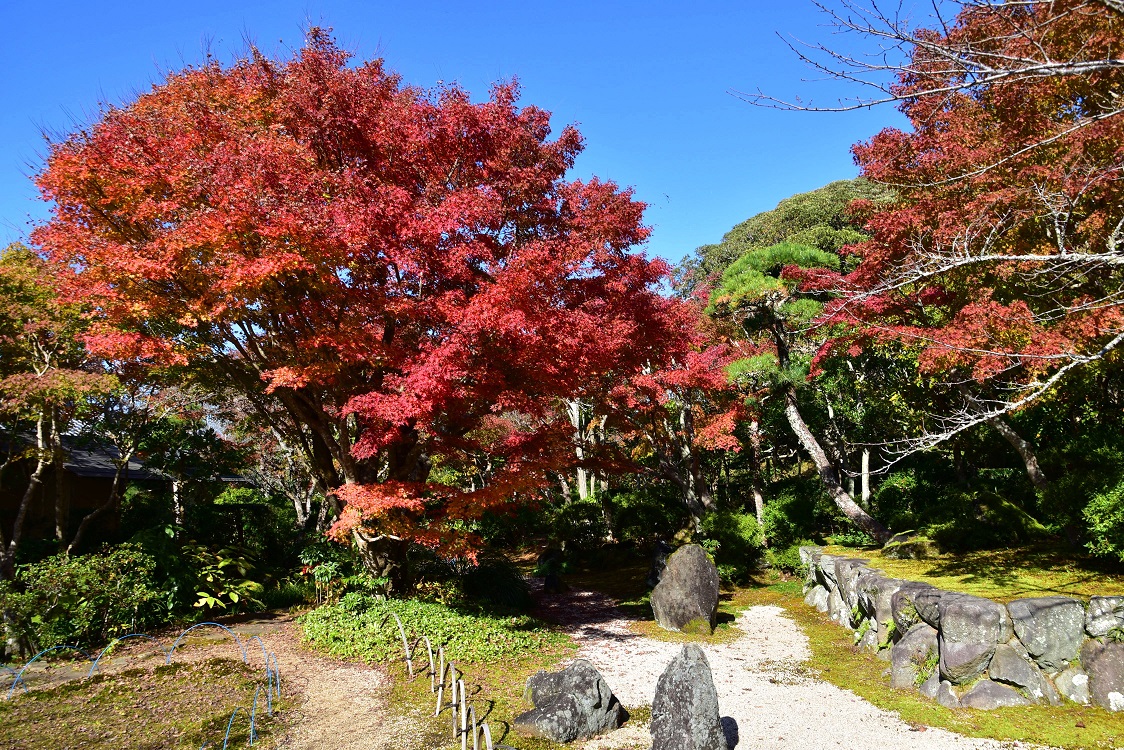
x=648 y=84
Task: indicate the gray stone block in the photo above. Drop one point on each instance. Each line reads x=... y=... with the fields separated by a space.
x=1051 y=629
x=987 y=695
x=686 y=598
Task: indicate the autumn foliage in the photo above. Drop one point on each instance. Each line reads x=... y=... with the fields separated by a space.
x=999 y=260
x=397 y=279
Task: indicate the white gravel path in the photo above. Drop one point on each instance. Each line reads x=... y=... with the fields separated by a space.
x=761 y=687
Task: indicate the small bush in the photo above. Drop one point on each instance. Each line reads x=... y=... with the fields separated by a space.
x=1105 y=518
x=360 y=626
x=787 y=558
x=735 y=541
x=85 y=600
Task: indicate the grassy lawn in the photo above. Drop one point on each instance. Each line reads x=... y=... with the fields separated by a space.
x=1002 y=575
x=175 y=706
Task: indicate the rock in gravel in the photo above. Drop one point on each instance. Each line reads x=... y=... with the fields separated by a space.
x=970 y=629
x=1050 y=627
x=1009 y=666
x=908 y=654
x=1104 y=614
x=817 y=597
x=686 y=598
x=1104 y=663
x=572 y=704
x=685 y=710
x=1073 y=683
x=987 y=695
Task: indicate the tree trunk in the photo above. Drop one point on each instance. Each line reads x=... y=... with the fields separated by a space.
x=755 y=477
x=384 y=556
x=1025 y=451
x=827 y=472
x=110 y=503
x=8 y=556
x=866 y=479
x=62 y=494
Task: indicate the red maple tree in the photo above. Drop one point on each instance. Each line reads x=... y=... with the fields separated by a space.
x=393 y=278
x=1000 y=261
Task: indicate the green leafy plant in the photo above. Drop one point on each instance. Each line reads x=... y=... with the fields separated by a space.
x=223 y=578
x=85 y=599
x=360 y=625
x=926 y=667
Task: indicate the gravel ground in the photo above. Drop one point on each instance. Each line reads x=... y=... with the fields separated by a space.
x=764 y=694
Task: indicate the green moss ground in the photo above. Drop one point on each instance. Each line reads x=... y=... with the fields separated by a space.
x=176 y=706
x=1002 y=575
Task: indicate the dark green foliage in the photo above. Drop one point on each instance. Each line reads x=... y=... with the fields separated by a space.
x=818 y=219
x=734 y=540
x=1105 y=517
x=797 y=509
x=787 y=558
x=496 y=580
x=85 y=600
x=644 y=514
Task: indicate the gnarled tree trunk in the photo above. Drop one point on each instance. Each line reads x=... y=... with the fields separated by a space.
x=827 y=472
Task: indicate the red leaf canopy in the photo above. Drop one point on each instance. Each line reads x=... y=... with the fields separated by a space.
x=395 y=275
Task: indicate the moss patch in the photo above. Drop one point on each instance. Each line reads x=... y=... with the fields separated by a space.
x=175 y=706
x=1002 y=575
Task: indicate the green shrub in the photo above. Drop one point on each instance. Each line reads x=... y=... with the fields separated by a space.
x=789 y=517
x=85 y=600
x=735 y=541
x=787 y=558
x=1105 y=518
x=360 y=626
x=647 y=513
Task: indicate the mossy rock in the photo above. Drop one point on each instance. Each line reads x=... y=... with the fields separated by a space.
x=697 y=626
x=914 y=548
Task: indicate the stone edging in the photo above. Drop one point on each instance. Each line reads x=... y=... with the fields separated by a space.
x=966 y=651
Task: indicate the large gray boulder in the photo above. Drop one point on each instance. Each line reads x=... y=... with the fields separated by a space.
x=837 y=609
x=902 y=606
x=927 y=602
x=686 y=598
x=573 y=704
x=1104 y=662
x=1105 y=613
x=910 y=653
x=685 y=710
x=817 y=597
x=970 y=629
x=847 y=571
x=1050 y=627
x=810 y=557
x=825 y=571
x=987 y=695
x=876 y=594
x=1010 y=666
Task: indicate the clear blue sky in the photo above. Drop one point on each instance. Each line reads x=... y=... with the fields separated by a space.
x=647 y=83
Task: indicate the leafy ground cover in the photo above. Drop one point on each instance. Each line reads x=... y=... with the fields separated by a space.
x=179 y=705
x=836 y=660
x=360 y=626
x=1002 y=574
x=495 y=653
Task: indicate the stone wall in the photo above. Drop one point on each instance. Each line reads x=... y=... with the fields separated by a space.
x=968 y=651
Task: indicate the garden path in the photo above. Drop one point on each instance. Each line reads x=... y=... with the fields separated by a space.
x=763 y=691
